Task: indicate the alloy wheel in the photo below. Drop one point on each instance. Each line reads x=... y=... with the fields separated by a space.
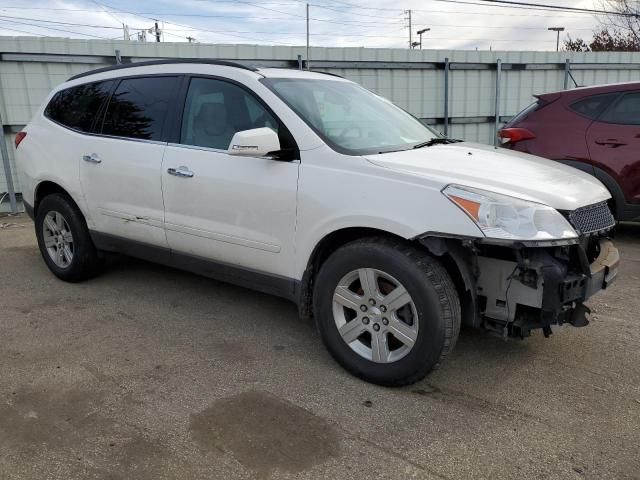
x=58 y=239
x=375 y=315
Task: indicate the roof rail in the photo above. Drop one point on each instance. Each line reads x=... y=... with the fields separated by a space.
x=327 y=73
x=168 y=61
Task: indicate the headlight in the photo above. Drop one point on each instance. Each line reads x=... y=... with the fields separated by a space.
x=504 y=217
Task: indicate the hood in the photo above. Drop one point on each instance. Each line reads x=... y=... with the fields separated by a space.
x=498 y=170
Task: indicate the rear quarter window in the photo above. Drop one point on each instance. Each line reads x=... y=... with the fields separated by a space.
x=77 y=107
x=592 y=106
x=625 y=111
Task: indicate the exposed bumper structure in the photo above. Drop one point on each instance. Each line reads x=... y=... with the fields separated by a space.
x=542 y=287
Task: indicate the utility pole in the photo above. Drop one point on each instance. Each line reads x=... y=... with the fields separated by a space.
x=125 y=29
x=308 y=60
x=191 y=39
x=157 y=33
x=410 y=39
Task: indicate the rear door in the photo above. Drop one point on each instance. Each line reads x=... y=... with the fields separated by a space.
x=614 y=143
x=120 y=172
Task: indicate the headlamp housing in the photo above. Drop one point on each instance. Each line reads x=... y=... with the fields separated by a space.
x=509 y=218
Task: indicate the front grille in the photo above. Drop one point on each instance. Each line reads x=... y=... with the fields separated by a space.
x=592 y=218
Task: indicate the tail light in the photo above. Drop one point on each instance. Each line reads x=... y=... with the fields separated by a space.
x=515 y=135
x=19 y=137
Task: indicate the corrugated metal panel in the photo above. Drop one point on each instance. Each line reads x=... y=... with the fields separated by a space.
x=407 y=77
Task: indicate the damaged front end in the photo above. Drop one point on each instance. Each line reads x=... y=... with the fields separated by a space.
x=523 y=288
x=511 y=288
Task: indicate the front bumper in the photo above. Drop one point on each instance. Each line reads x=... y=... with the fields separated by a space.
x=541 y=287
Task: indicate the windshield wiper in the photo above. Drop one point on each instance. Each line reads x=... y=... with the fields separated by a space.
x=436 y=141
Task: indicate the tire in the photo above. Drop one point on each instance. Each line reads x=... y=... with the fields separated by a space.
x=428 y=324
x=79 y=260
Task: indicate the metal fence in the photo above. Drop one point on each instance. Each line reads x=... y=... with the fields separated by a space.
x=465 y=94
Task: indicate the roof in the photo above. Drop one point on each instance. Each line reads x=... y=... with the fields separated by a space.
x=609 y=87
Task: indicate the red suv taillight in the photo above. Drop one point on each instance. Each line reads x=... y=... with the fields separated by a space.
x=515 y=135
x=19 y=137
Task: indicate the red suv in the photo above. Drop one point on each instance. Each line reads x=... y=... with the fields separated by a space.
x=595 y=129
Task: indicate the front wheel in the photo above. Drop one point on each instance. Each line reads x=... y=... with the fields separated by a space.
x=387 y=311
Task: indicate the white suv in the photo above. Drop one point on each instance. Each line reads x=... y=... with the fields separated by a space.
x=308 y=186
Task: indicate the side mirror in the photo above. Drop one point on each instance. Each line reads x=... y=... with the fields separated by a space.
x=256 y=142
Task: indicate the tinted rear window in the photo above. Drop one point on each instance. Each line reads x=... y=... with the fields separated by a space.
x=77 y=107
x=593 y=106
x=625 y=111
x=524 y=113
x=138 y=108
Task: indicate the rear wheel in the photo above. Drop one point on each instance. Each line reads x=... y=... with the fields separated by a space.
x=64 y=240
x=387 y=311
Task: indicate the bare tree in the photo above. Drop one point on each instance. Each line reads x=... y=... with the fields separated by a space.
x=625 y=18
x=619 y=32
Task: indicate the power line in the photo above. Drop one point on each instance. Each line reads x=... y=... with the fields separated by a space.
x=338 y=9
x=181 y=14
x=242 y=2
x=2 y=27
x=536 y=6
x=59 y=30
x=448 y=25
x=287 y=14
x=194 y=28
x=558 y=7
x=68 y=23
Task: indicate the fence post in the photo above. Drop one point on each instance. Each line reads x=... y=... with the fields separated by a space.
x=446 y=97
x=497 y=107
x=7 y=169
x=299 y=62
x=567 y=72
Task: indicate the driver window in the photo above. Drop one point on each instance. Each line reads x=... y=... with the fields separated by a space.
x=215 y=110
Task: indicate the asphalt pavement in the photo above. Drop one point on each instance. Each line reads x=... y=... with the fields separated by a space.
x=151 y=373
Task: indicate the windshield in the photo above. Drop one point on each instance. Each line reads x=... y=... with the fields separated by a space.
x=349 y=118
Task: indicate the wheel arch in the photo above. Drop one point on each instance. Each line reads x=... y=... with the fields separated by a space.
x=617 y=195
x=449 y=252
x=48 y=187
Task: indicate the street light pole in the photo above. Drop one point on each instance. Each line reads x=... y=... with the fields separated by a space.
x=420 y=32
x=557 y=30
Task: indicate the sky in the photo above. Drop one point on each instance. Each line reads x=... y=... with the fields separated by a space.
x=348 y=23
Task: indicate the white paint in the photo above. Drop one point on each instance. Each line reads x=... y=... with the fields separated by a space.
x=268 y=215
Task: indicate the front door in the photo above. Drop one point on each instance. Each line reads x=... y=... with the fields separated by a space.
x=121 y=172
x=239 y=211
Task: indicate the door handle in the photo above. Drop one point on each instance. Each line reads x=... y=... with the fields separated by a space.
x=611 y=142
x=180 y=172
x=93 y=158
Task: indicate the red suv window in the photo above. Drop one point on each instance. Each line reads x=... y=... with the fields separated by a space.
x=594 y=105
x=625 y=111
